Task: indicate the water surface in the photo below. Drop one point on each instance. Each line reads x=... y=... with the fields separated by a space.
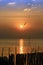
x=21 y=45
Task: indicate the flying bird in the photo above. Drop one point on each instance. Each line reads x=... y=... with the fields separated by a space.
x=25 y=23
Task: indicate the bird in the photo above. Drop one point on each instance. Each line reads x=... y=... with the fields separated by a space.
x=25 y=23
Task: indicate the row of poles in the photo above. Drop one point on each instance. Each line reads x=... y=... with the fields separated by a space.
x=15 y=50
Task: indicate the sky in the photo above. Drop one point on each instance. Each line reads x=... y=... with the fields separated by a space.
x=14 y=13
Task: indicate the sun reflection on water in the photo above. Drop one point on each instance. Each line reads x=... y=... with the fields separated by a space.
x=21 y=46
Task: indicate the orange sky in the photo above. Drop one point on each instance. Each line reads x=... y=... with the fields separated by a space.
x=10 y=22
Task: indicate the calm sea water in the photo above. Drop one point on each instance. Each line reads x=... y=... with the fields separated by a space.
x=22 y=45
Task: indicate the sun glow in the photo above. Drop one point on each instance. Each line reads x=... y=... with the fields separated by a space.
x=21 y=26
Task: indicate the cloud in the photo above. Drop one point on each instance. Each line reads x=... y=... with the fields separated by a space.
x=27 y=9
x=11 y=3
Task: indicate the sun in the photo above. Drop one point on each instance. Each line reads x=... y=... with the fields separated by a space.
x=21 y=26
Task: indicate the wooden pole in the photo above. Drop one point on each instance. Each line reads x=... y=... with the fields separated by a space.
x=2 y=51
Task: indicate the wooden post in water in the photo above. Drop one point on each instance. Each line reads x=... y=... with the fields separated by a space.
x=26 y=58
x=9 y=51
x=2 y=51
x=15 y=55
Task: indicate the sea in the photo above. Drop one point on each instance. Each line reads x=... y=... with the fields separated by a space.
x=20 y=46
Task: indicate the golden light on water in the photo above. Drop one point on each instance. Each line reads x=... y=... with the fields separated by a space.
x=21 y=49
x=21 y=46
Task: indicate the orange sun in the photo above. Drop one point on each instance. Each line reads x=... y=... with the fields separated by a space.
x=21 y=26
